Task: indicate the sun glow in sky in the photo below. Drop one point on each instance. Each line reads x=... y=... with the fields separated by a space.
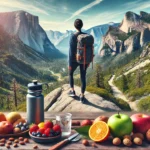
x=60 y=14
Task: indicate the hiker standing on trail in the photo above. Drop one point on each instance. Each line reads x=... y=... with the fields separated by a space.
x=80 y=54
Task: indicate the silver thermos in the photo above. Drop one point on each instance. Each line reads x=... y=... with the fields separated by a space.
x=35 y=103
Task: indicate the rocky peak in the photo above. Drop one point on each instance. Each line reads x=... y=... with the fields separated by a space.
x=143 y=14
x=130 y=22
x=131 y=16
x=59 y=101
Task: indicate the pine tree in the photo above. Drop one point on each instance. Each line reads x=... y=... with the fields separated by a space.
x=15 y=88
x=99 y=78
x=138 y=80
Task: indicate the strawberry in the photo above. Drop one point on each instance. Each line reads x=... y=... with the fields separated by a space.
x=47 y=132
x=33 y=128
x=57 y=128
x=41 y=130
x=48 y=124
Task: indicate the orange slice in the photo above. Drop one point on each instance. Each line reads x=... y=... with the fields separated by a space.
x=99 y=131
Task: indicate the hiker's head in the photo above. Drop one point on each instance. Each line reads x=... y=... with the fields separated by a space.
x=78 y=24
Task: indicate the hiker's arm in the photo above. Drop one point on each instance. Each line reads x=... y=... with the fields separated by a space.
x=71 y=49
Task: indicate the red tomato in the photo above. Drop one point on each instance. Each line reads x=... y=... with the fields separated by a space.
x=34 y=128
x=47 y=132
x=48 y=124
x=56 y=128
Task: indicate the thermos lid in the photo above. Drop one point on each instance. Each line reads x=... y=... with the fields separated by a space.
x=34 y=86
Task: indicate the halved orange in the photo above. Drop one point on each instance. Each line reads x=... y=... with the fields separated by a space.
x=99 y=131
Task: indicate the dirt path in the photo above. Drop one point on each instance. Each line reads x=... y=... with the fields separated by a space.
x=118 y=94
x=58 y=75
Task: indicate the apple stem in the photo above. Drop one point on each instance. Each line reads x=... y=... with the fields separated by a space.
x=118 y=114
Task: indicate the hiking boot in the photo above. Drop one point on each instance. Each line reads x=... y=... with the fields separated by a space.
x=82 y=99
x=72 y=93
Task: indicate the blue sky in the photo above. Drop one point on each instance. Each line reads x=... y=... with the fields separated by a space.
x=60 y=14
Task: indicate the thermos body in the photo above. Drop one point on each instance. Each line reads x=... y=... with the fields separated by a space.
x=35 y=103
x=35 y=109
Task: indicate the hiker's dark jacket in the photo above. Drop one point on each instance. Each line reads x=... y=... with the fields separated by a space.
x=73 y=47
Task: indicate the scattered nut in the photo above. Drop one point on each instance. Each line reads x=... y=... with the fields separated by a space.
x=137 y=141
x=127 y=142
x=2 y=140
x=21 y=143
x=9 y=143
x=7 y=146
x=26 y=140
x=85 y=142
x=11 y=139
x=139 y=135
x=116 y=141
x=75 y=123
x=35 y=147
x=128 y=137
x=21 y=138
x=2 y=144
x=16 y=141
x=94 y=145
x=15 y=145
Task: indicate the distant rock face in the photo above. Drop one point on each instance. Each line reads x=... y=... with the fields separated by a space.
x=59 y=101
x=27 y=27
x=54 y=36
x=132 y=34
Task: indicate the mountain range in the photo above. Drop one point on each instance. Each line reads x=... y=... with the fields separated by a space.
x=131 y=35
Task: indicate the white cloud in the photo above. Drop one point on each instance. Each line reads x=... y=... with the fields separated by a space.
x=19 y=5
x=85 y=8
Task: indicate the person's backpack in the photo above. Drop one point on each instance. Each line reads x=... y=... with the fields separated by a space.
x=85 y=49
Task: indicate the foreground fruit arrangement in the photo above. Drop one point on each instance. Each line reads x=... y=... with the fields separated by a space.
x=120 y=128
x=12 y=123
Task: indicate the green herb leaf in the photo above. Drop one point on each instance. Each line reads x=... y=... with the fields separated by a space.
x=84 y=131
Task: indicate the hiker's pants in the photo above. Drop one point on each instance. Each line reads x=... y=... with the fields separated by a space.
x=82 y=75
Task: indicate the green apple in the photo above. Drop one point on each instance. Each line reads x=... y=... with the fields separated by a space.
x=120 y=125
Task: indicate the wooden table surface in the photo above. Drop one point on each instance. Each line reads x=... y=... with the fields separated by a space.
x=78 y=145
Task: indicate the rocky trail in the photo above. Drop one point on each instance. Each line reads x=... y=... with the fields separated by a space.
x=118 y=94
x=59 y=101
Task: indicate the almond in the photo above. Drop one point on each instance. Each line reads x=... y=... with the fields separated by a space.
x=93 y=145
x=3 y=140
x=26 y=140
x=21 y=138
x=35 y=147
x=2 y=144
x=11 y=139
x=16 y=141
x=15 y=145
x=7 y=146
x=21 y=143
x=9 y=143
x=85 y=142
